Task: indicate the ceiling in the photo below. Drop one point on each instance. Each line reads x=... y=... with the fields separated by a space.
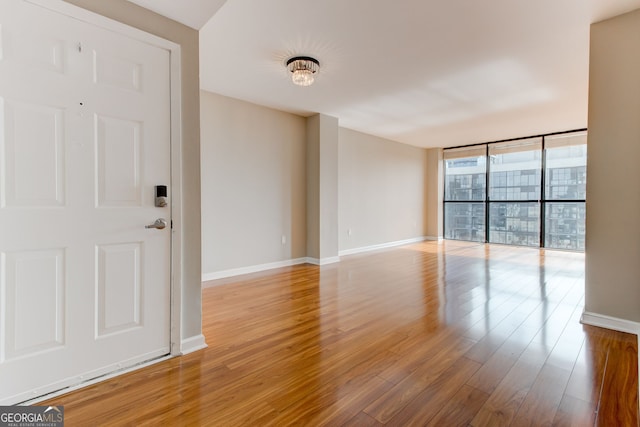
x=423 y=72
x=193 y=13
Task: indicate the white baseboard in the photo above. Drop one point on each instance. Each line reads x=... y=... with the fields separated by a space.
x=308 y=260
x=434 y=238
x=191 y=344
x=383 y=246
x=608 y=322
x=251 y=269
x=323 y=261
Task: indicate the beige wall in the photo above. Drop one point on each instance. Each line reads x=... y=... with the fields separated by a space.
x=313 y=186
x=322 y=188
x=253 y=184
x=265 y=174
x=434 y=194
x=381 y=191
x=613 y=186
x=187 y=38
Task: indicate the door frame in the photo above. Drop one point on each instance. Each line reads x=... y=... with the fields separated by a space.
x=177 y=347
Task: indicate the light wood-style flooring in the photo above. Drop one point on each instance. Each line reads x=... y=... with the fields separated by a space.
x=442 y=334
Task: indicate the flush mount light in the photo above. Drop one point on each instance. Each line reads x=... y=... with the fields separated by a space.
x=303 y=69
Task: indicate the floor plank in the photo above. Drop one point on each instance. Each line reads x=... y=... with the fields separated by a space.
x=619 y=406
x=435 y=333
x=461 y=408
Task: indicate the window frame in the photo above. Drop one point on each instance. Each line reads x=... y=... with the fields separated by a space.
x=542 y=200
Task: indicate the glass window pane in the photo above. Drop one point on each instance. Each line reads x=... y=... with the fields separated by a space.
x=514 y=223
x=566 y=139
x=564 y=226
x=479 y=150
x=515 y=170
x=464 y=221
x=566 y=167
x=465 y=178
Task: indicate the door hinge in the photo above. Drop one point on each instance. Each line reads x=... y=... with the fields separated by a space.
x=172 y=224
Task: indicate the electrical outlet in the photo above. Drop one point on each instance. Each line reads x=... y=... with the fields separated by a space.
x=284 y=239
x=349 y=232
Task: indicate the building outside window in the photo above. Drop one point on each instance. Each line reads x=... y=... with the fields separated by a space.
x=528 y=192
x=465 y=192
x=514 y=192
x=565 y=191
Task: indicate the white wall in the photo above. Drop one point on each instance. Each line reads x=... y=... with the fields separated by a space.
x=613 y=193
x=253 y=185
x=381 y=191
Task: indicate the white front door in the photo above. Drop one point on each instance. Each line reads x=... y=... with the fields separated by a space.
x=84 y=140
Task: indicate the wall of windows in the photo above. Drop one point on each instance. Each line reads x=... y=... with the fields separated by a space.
x=528 y=192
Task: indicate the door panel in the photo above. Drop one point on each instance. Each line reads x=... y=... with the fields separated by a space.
x=34 y=141
x=119 y=165
x=34 y=324
x=84 y=139
x=35 y=49
x=115 y=71
x=119 y=288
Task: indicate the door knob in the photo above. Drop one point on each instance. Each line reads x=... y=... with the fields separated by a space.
x=159 y=223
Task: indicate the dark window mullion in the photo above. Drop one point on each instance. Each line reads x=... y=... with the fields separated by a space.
x=487 y=170
x=543 y=193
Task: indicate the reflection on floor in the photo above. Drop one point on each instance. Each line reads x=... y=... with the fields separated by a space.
x=441 y=334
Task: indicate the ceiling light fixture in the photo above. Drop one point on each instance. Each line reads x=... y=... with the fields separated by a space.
x=303 y=69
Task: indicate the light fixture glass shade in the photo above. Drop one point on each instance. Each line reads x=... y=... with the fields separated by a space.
x=303 y=70
x=302 y=77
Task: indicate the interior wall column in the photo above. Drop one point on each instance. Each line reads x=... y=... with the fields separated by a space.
x=612 y=292
x=322 y=189
x=434 y=197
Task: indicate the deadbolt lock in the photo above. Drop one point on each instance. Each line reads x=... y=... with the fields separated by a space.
x=161 y=196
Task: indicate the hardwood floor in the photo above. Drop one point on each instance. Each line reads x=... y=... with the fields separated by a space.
x=442 y=334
